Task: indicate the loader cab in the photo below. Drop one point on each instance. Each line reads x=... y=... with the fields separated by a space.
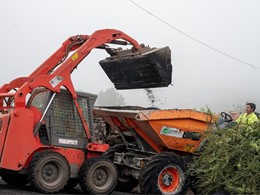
x=61 y=124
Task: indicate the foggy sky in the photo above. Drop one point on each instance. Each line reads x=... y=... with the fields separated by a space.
x=31 y=30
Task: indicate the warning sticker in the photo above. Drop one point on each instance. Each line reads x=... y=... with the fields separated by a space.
x=75 y=56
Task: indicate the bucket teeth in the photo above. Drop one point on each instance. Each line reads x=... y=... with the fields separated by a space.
x=148 y=70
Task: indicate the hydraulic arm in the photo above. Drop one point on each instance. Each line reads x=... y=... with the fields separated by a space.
x=138 y=67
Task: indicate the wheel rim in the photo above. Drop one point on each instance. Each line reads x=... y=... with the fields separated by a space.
x=51 y=174
x=169 y=179
x=100 y=177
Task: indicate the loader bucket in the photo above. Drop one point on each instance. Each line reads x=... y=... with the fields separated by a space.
x=133 y=71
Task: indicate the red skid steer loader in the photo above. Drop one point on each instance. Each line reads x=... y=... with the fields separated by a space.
x=46 y=127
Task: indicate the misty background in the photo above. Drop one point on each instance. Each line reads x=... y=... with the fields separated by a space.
x=204 y=37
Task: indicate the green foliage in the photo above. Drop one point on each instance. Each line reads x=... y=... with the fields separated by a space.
x=230 y=161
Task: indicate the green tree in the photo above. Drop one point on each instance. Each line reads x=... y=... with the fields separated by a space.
x=110 y=97
x=229 y=162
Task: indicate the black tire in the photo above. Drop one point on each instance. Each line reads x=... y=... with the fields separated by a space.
x=48 y=172
x=165 y=173
x=13 y=178
x=98 y=176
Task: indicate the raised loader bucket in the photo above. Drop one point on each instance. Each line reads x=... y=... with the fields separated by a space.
x=134 y=70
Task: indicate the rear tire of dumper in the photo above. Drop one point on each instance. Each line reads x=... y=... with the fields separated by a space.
x=98 y=175
x=48 y=172
x=165 y=173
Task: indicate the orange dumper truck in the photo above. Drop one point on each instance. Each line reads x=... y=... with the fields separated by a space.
x=156 y=145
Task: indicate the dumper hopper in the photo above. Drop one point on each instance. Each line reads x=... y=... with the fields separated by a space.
x=133 y=70
x=162 y=130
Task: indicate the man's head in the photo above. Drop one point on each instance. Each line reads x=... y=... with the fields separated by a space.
x=250 y=107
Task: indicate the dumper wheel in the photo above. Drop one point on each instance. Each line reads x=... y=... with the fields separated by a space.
x=48 y=172
x=13 y=178
x=98 y=176
x=165 y=173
